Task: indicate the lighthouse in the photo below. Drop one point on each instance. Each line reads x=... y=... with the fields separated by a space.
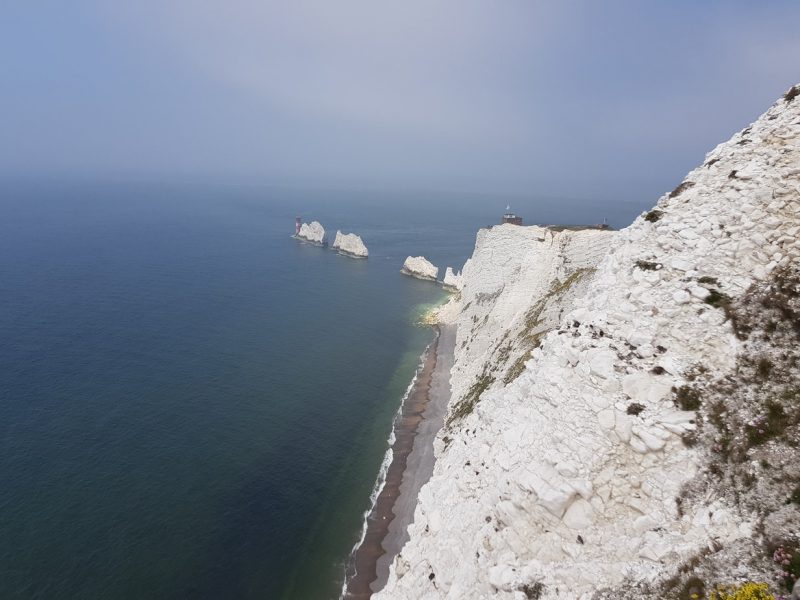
x=298 y=222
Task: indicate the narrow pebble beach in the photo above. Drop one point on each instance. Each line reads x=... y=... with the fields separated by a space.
x=420 y=419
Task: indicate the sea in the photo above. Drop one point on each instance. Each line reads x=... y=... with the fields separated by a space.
x=195 y=405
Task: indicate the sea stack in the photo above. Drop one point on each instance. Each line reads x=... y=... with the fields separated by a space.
x=453 y=281
x=312 y=232
x=349 y=244
x=420 y=267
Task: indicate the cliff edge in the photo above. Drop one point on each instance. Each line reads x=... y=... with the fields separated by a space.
x=625 y=411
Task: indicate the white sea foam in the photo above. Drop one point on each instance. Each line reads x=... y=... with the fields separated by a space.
x=380 y=481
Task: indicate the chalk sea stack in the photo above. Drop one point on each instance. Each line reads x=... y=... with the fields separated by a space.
x=313 y=233
x=349 y=244
x=420 y=267
x=453 y=281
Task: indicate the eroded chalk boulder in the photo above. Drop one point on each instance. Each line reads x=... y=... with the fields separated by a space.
x=349 y=244
x=312 y=232
x=420 y=267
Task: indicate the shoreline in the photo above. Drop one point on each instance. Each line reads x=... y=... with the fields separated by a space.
x=341 y=252
x=322 y=244
x=408 y=273
x=411 y=465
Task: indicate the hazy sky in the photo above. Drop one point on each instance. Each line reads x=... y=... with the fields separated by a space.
x=582 y=99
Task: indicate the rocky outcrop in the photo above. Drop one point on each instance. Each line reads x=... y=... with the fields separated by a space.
x=312 y=232
x=589 y=466
x=349 y=244
x=420 y=267
x=452 y=281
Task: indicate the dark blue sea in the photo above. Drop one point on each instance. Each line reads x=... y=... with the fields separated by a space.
x=194 y=405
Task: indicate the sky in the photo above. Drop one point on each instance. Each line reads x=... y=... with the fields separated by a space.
x=586 y=99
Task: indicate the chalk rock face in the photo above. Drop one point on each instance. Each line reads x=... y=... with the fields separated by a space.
x=312 y=232
x=519 y=282
x=350 y=244
x=420 y=267
x=452 y=281
x=544 y=474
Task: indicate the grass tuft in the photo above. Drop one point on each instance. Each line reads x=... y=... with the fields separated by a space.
x=681 y=188
x=472 y=397
x=770 y=424
x=687 y=398
x=653 y=216
x=635 y=408
x=646 y=265
x=517 y=369
x=533 y=591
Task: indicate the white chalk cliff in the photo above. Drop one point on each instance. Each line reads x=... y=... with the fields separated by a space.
x=312 y=232
x=420 y=267
x=518 y=283
x=453 y=281
x=560 y=470
x=350 y=244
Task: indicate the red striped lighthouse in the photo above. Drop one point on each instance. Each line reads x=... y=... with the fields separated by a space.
x=298 y=222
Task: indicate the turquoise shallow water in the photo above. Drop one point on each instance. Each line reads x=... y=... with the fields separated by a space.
x=195 y=405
